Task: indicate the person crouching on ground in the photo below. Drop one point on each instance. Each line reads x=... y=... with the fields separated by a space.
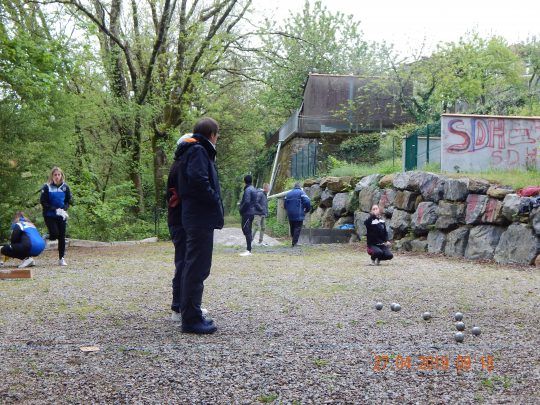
x=26 y=242
x=378 y=245
x=297 y=204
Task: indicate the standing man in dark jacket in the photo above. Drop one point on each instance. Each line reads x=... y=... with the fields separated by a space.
x=247 y=211
x=297 y=203
x=261 y=212
x=195 y=210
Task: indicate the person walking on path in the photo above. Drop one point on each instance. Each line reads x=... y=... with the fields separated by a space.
x=297 y=204
x=261 y=212
x=195 y=209
x=247 y=211
x=25 y=242
x=378 y=246
x=55 y=200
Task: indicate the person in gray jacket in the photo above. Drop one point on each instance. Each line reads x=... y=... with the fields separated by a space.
x=261 y=212
x=247 y=211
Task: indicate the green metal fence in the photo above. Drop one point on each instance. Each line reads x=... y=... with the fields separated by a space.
x=411 y=143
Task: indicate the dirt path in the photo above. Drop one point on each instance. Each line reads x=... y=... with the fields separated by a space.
x=295 y=326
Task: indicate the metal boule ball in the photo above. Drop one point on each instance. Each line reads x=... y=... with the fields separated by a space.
x=476 y=331
x=392 y=305
x=459 y=336
x=426 y=316
x=397 y=307
x=378 y=306
x=460 y=326
x=458 y=316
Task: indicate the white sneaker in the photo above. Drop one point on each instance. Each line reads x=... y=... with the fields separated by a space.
x=62 y=262
x=29 y=261
x=177 y=316
x=246 y=253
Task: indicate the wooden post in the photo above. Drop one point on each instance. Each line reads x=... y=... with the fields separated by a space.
x=15 y=273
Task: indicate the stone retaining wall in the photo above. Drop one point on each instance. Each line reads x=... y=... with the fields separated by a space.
x=431 y=213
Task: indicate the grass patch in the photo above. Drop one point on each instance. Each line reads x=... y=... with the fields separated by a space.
x=496 y=382
x=267 y=398
x=320 y=362
x=356 y=170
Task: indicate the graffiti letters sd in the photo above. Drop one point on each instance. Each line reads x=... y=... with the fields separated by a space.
x=487 y=142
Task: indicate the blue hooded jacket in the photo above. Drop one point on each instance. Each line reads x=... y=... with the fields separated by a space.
x=297 y=203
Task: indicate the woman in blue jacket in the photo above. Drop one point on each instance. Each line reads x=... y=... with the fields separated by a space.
x=25 y=242
x=55 y=200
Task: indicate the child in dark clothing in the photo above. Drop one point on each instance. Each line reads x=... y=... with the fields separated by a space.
x=378 y=245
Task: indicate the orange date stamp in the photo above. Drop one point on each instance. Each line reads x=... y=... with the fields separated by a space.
x=461 y=363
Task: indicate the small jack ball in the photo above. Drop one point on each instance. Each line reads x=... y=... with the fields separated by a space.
x=396 y=308
x=476 y=331
x=459 y=336
x=378 y=306
x=458 y=316
x=426 y=316
x=460 y=326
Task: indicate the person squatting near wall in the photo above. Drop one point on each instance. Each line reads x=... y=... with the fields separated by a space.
x=247 y=211
x=25 y=242
x=195 y=209
x=261 y=212
x=55 y=200
x=378 y=246
x=297 y=204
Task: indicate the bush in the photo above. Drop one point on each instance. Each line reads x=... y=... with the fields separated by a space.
x=361 y=149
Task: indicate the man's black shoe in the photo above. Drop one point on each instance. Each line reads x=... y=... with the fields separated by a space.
x=199 y=328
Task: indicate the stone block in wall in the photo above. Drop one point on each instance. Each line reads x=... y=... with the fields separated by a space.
x=403 y=244
x=405 y=200
x=493 y=212
x=400 y=222
x=436 y=241
x=349 y=219
x=336 y=184
x=326 y=199
x=511 y=206
x=402 y=180
x=389 y=230
x=477 y=186
x=534 y=220
x=386 y=181
x=456 y=189
x=328 y=220
x=386 y=202
x=367 y=197
x=340 y=204
x=451 y=214
x=456 y=242
x=313 y=192
x=419 y=245
x=483 y=240
x=311 y=182
x=475 y=208
x=432 y=187
x=315 y=219
x=518 y=245
x=368 y=181
x=425 y=215
x=359 y=218
x=499 y=192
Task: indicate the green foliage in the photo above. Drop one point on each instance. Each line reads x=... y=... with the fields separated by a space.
x=361 y=149
x=383 y=167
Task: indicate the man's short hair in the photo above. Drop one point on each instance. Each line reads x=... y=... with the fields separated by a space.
x=248 y=179
x=297 y=185
x=206 y=127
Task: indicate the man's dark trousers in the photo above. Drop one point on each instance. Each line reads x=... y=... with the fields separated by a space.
x=296 y=228
x=193 y=259
x=380 y=252
x=247 y=222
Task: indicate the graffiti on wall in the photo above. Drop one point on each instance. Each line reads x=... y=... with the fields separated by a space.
x=474 y=143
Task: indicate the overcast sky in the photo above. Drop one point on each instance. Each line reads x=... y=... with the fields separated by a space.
x=409 y=23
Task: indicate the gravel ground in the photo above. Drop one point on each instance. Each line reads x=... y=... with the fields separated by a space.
x=295 y=326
